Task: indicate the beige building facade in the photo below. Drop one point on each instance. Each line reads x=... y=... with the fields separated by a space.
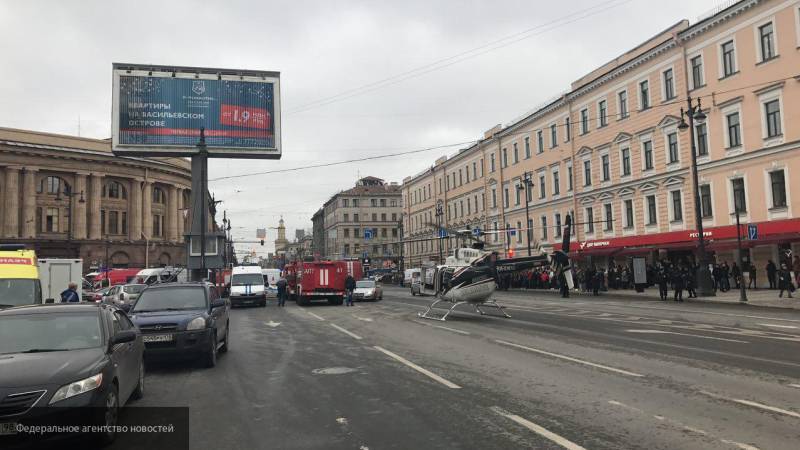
x=70 y=197
x=613 y=152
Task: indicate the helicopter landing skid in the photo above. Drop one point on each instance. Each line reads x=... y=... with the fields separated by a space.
x=427 y=314
x=492 y=304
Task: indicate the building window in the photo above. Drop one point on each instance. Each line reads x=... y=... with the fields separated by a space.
x=481 y=167
x=626 y=162
x=383 y=217
x=491 y=163
x=701 y=133
x=590 y=220
x=355 y=203
x=113 y=222
x=672 y=147
x=766 y=39
x=644 y=94
x=604 y=162
x=527 y=147
x=567 y=130
x=505 y=158
x=516 y=154
x=519 y=232
x=355 y=217
x=158 y=225
x=347 y=232
x=384 y=233
x=609 y=217
x=383 y=200
x=374 y=217
x=629 y=213
x=739 y=200
x=494 y=198
x=505 y=198
x=772 y=111
x=542 y=189
x=540 y=141
x=496 y=237
x=114 y=189
x=569 y=178
x=622 y=103
x=52 y=185
x=669 y=84
x=556 y=183
x=778 y=182
x=51 y=220
x=516 y=196
x=677 y=206
x=587 y=173
x=553 y=136
x=602 y=111
x=652 y=214
x=544 y=227
x=461 y=176
x=697 y=71
x=705 y=201
x=734 y=130
x=346 y=218
x=394 y=232
x=557 y=230
x=584 y=121
x=647 y=150
x=159 y=198
x=728 y=59
x=474 y=171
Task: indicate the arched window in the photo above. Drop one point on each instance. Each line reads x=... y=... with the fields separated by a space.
x=159 y=197
x=114 y=189
x=52 y=185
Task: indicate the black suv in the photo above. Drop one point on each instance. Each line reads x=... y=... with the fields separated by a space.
x=183 y=319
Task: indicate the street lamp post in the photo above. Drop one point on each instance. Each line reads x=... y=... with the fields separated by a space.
x=703 y=275
x=69 y=194
x=742 y=291
x=525 y=185
x=439 y=214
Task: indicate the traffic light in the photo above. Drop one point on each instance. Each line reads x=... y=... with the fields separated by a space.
x=262 y=242
x=511 y=253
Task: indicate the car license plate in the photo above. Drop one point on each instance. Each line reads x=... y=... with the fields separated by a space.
x=8 y=428
x=157 y=338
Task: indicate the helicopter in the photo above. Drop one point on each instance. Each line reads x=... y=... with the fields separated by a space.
x=471 y=275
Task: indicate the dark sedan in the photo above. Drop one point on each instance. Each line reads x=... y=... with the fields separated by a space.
x=85 y=359
x=183 y=320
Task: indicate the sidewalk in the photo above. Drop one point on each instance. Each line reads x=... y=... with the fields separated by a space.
x=766 y=298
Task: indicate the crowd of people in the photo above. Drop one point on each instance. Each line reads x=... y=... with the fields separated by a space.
x=680 y=277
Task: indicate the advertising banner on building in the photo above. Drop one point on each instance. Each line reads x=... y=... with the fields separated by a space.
x=159 y=111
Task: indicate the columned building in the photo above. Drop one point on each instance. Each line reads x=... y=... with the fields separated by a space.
x=615 y=153
x=70 y=197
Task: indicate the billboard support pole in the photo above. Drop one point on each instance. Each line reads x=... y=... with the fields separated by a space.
x=202 y=154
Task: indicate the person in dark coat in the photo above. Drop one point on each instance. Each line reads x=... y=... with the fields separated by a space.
x=349 y=286
x=691 y=281
x=771 y=271
x=752 y=282
x=562 y=283
x=678 y=282
x=725 y=276
x=662 y=278
x=597 y=282
x=70 y=295
x=785 y=281
x=282 y=291
x=737 y=275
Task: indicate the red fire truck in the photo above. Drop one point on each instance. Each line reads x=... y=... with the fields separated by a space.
x=320 y=280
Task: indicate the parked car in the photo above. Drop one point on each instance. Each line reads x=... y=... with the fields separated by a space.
x=367 y=290
x=87 y=293
x=183 y=320
x=98 y=295
x=72 y=356
x=126 y=293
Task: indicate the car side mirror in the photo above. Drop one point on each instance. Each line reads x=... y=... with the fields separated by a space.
x=122 y=337
x=49 y=300
x=217 y=303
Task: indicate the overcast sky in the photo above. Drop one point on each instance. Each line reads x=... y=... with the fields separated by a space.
x=57 y=55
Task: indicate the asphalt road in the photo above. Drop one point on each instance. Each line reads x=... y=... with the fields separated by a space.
x=579 y=373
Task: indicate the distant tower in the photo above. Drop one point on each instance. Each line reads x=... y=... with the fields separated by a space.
x=281 y=242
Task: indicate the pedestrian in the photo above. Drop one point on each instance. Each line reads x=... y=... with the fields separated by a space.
x=751 y=283
x=662 y=278
x=349 y=286
x=282 y=294
x=562 y=283
x=70 y=295
x=771 y=271
x=597 y=283
x=678 y=283
x=716 y=275
x=737 y=275
x=691 y=281
x=785 y=281
x=725 y=273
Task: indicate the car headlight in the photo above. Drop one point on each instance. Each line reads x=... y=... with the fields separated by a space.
x=77 y=387
x=196 y=324
x=370 y=292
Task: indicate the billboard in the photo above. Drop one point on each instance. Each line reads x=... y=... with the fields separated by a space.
x=261 y=233
x=160 y=110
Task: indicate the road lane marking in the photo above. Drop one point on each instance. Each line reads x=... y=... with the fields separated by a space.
x=419 y=369
x=272 y=324
x=314 y=315
x=352 y=335
x=538 y=429
x=466 y=333
x=795 y=385
x=740 y=445
x=685 y=334
x=365 y=319
x=569 y=358
x=774 y=409
x=773 y=325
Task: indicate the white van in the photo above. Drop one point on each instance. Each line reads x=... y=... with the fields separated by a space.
x=160 y=275
x=271 y=277
x=247 y=286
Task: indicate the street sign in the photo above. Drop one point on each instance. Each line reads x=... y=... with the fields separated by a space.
x=476 y=231
x=442 y=233
x=160 y=110
x=367 y=234
x=752 y=232
x=512 y=231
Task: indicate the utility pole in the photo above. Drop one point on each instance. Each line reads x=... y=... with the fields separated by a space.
x=525 y=185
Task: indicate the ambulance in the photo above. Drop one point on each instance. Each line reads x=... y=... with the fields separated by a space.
x=19 y=277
